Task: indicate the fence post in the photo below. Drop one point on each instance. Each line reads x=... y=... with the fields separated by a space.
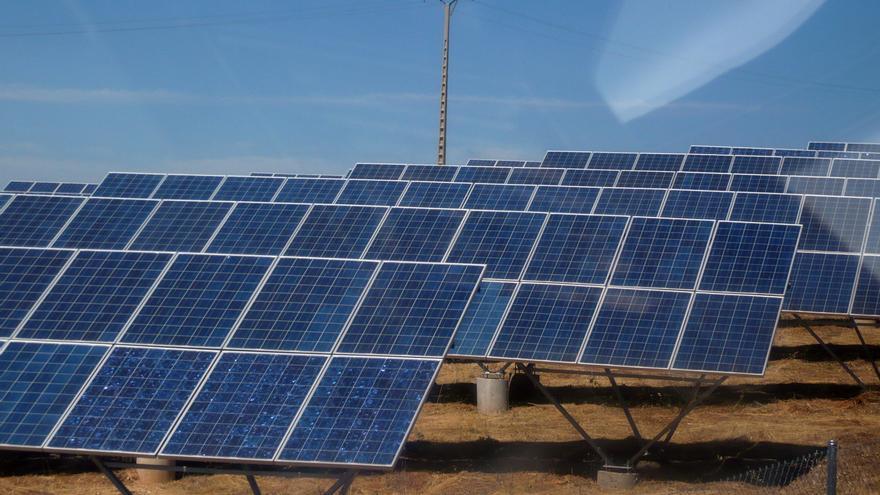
x=831 y=476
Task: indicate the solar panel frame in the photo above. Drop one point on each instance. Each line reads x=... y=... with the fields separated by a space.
x=860 y=169
x=128 y=185
x=818 y=238
x=645 y=179
x=314 y=238
x=371 y=192
x=71 y=188
x=612 y=161
x=402 y=235
x=660 y=162
x=719 y=202
x=589 y=178
x=766 y=207
x=702 y=149
x=507 y=197
x=481 y=320
x=18 y=186
x=36 y=221
x=484 y=175
x=379 y=171
x=248 y=188
x=702 y=181
x=27 y=288
x=821 y=186
x=429 y=173
x=815 y=167
x=435 y=194
x=756 y=164
x=796 y=153
x=181 y=225
x=523 y=229
x=44 y=187
x=105 y=223
x=758 y=183
x=297 y=190
x=826 y=146
x=564 y=199
x=751 y=151
x=707 y=163
x=864 y=188
x=647 y=202
x=257 y=228
x=823 y=278
x=479 y=162
x=566 y=159
x=188 y=186
x=536 y=176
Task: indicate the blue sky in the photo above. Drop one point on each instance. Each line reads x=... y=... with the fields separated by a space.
x=314 y=86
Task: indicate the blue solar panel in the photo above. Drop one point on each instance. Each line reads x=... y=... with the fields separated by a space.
x=642 y=202
x=188 y=187
x=430 y=173
x=245 y=406
x=612 y=161
x=838 y=154
x=415 y=234
x=834 y=224
x=538 y=176
x=3 y=199
x=662 y=253
x=485 y=175
x=821 y=283
x=336 y=231
x=500 y=240
x=750 y=257
x=499 y=197
x=105 y=223
x=371 y=192
x=37 y=383
x=636 y=328
x=709 y=205
x=728 y=333
x=872 y=243
x=756 y=165
x=751 y=151
x=248 y=189
x=304 y=305
x=435 y=194
x=198 y=300
x=767 y=208
x=818 y=167
x=566 y=159
x=480 y=163
x=819 y=145
x=815 y=185
x=181 y=226
x=24 y=276
x=89 y=189
x=482 y=318
x=577 y=248
x=867 y=296
x=868 y=147
x=546 y=323
x=516 y=163
x=794 y=153
x=310 y=190
x=668 y=162
x=382 y=171
x=709 y=150
x=866 y=169
x=18 y=186
x=257 y=228
x=70 y=188
x=95 y=296
x=701 y=181
x=528 y=164
x=590 y=178
x=656 y=180
x=35 y=220
x=133 y=400
x=759 y=183
x=122 y=185
x=411 y=309
x=866 y=188
x=361 y=411
x=44 y=187
x=708 y=163
x=564 y=199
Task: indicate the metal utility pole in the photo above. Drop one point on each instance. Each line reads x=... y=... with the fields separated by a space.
x=448 y=8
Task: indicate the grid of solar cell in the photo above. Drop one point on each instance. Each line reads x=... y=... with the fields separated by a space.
x=44 y=187
x=867 y=147
x=18 y=186
x=546 y=322
x=37 y=383
x=709 y=205
x=818 y=167
x=95 y=296
x=248 y=189
x=371 y=192
x=702 y=181
x=794 y=153
x=381 y=171
x=105 y=223
x=765 y=207
x=667 y=162
x=89 y=189
x=513 y=163
x=181 y=226
x=429 y=173
x=872 y=243
x=35 y=220
x=245 y=406
x=864 y=169
x=819 y=145
x=435 y=194
x=24 y=276
x=336 y=231
x=612 y=161
x=499 y=197
x=485 y=175
x=564 y=199
x=473 y=162
x=361 y=411
x=629 y=178
x=756 y=165
x=534 y=164
x=821 y=283
x=566 y=159
x=815 y=185
x=500 y=240
x=759 y=183
x=188 y=187
x=257 y=228
x=867 y=296
x=708 y=163
x=123 y=185
x=866 y=188
x=483 y=315
x=633 y=202
x=591 y=178
x=198 y=300
x=70 y=188
x=3 y=199
x=538 y=176
x=415 y=234
x=411 y=309
x=310 y=190
x=303 y=305
x=636 y=328
x=132 y=401
x=838 y=154
x=709 y=150
x=751 y=151
x=834 y=224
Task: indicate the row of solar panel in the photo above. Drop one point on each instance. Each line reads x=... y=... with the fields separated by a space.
x=838 y=146
x=61 y=188
x=810 y=153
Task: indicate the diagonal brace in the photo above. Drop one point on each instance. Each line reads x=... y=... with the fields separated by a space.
x=626 y=411
x=342 y=485
x=117 y=483
x=830 y=352
x=868 y=354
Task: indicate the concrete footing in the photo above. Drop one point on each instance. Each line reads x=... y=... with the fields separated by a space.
x=617 y=479
x=155 y=475
x=492 y=393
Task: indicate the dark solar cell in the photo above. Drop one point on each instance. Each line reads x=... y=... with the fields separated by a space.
x=35 y=220
x=257 y=228
x=188 y=187
x=248 y=189
x=564 y=199
x=500 y=240
x=415 y=234
x=105 y=223
x=332 y=231
x=591 y=178
x=310 y=190
x=481 y=320
x=709 y=205
x=181 y=226
x=435 y=194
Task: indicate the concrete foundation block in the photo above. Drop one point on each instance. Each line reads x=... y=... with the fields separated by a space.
x=617 y=479
x=155 y=475
x=492 y=393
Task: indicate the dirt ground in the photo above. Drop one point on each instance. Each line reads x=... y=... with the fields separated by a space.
x=804 y=400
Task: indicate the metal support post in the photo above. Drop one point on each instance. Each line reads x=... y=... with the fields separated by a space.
x=868 y=354
x=626 y=411
x=448 y=8
x=831 y=473
x=252 y=482
x=830 y=352
x=342 y=485
x=120 y=486
x=694 y=394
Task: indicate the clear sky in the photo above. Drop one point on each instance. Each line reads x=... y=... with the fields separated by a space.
x=316 y=85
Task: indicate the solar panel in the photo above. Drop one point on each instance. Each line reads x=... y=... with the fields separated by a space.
x=411 y=309
x=95 y=296
x=515 y=163
x=667 y=162
x=181 y=226
x=44 y=187
x=537 y=176
x=818 y=145
x=794 y=153
x=576 y=249
x=435 y=194
x=430 y=173
x=868 y=147
x=257 y=228
x=759 y=183
x=867 y=296
x=483 y=315
x=499 y=197
x=198 y=300
x=35 y=220
x=500 y=240
x=838 y=154
x=564 y=199
x=865 y=169
x=709 y=150
x=656 y=180
x=371 y=192
x=613 y=161
x=415 y=234
x=756 y=165
x=818 y=167
x=815 y=185
x=336 y=231
x=709 y=205
x=566 y=159
x=751 y=151
x=70 y=188
x=633 y=202
x=361 y=412
x=310 y=190
x=303 y=305
x=37 y=383
x=590 y=178
x=872 y=243
x=866 y=188
x=3 y=199
x=89 y=189
x=701 y=181
x=245 y=406
x=546 y=322
x=708 y=163
x=133 y=400
x=486 y=175
x=530 y=164
x=821 y=282
x=105 y=223
x=24 y=276
x=750 y=257
x=122 y=185
x=636 y=328
x=18 y=186
x=763 y=207
x=382 y=171
x=188 y=187
x=480 y=163
x=248 y=189
x=834 y=224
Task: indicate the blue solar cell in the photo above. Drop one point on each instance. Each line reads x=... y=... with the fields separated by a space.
x=181 y=226
x=818 y=145
x=767 y=208
x=499 y=197
x=636 y=328
x=756 y=165
x=870 y=156
x=818 y=167
x=95 y=296
x=566 y=159
x=257 y=228
x=310 y=190
x=473 y=162
x=834 y=224
x=577 y=248
x=89 y=189
x=371 y=192
x=747 y=151
x=865 y=169
x=485 y=175
x=546 y=323
x=44 y=187
x=70 y=188
x=590 y=178
x=839 y=154
x=530 y=164
x=867 y=296
x=667 y=162
x=709 y=205
x=361 y=411
x=18 y=186
x=515 y=163
x=35 y=220
x=382 y=171
x=304 y=305
x=821 y=283
x=750 y=257
x=198 y=300
x=656 y=180
x=24 y=276
x=482 y=318
x=662 y=253
x=708 y=163
x=865 y=188
x=415 y=234
x=3 y=199
x=709 y=150
x=642 y=202
x=794 y=153
x=612 y=161
x=188 y=187
x=872 y=243
x=336 y=231
x=430 y=173
x=122 y=185
x=815 y=185
x=759 y=183
x=564 y=199
x=245 y=406
x=132 y=401
x=248 y=189
x=411 y=309
x=728 y=333
x=867 y=147
x=701 y=181
x=537 y=176
x=435 y=194
x=37 y=383
x=500 y=240
x=105 y=223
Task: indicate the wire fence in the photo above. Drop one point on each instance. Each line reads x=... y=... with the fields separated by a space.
x=783 y=473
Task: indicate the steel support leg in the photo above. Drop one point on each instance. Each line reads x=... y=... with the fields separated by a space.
x=830 y=352
x=694 y=395
x=120 y=486
x=868 y=354
x=252 y=482
x=626 y=411
x=342 y=485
